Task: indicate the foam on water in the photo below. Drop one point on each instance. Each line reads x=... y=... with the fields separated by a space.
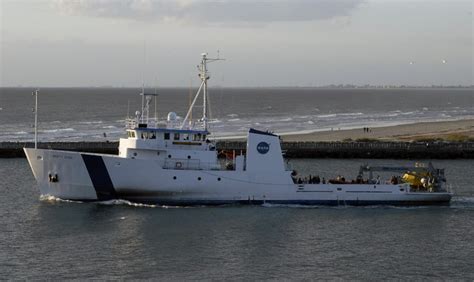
x=126 y=203
x=121 y=202
x=269 y=205
x=92 y=122
x=342 y=206
x=58 y=130
x=53 y=199
x=462 y=202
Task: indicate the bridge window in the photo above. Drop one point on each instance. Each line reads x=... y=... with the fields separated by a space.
x=167 y=136
x=176 y=136
x=185 y=136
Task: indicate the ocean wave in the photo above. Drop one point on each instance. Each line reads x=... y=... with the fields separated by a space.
x=340 y=115
x=58 y=130
x=462 y=202
x=52 y=199
x=91 y=122
x=126 y=203
x=269 y=205
x=214 y=121
x=121 y=202
x=233 y=119
x=343 y=206
x=326 y=116
x=350 y=114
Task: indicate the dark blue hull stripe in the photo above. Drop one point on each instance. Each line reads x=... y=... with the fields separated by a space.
x=100 y=177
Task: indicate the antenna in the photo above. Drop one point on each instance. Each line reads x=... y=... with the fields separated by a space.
x=128 y=108
x=190 y=98
x=156 y=101
x=143 y=79
x=35 y=93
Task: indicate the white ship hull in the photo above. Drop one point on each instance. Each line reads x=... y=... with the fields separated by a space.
x=96 y=177
x=177 y=164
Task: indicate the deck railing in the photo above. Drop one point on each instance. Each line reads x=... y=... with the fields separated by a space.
x=191 y=164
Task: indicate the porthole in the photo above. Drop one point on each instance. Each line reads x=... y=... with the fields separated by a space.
x=339 y=189
x=219 y=179
x=402 y=189
x=189 y=157
x=135 y=154
x=174 y=177
x=169 y=156
x=199 y=178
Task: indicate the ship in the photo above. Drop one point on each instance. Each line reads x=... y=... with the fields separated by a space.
x=175 y=162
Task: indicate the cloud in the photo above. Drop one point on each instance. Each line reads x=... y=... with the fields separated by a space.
x=206 y=11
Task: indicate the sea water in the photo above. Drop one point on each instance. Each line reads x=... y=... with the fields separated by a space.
x=44 y=237
x=47 y=238
x=98 y=114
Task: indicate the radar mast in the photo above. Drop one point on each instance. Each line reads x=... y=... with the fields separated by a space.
x=204 y=76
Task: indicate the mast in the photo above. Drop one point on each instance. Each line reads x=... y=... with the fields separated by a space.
x=204 y=76
x=146 y=101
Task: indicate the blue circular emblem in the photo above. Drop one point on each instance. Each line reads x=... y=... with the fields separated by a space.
x=263 y=147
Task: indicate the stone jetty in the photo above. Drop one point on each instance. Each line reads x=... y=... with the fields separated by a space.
x=373 y=149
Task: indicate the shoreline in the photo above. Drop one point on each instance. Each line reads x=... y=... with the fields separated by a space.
x=419 y=131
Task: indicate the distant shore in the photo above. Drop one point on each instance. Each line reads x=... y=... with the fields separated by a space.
x=445 y=130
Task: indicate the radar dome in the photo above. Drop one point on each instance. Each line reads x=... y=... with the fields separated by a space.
x=172 y=116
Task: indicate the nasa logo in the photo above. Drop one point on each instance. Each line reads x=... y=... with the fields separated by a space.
x=263 y=147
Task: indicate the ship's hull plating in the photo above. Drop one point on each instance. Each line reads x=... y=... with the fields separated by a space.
x=95 y=177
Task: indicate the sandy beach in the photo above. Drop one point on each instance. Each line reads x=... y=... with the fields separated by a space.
x=424 y=130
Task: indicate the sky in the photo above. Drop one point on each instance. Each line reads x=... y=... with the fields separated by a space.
x=122 y=43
